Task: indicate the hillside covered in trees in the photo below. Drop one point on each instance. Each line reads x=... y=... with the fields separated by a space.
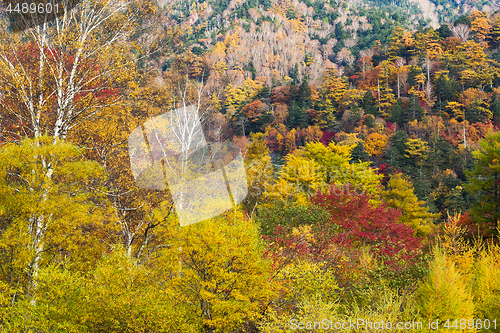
x=369 y=133
x=290 y=40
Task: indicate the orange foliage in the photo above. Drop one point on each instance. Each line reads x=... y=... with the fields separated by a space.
x=472 y=95
x=451 y=43
x=375 y=144
x=254 y=110
x=280 y=114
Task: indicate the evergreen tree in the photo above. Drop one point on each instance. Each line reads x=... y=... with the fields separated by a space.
x=414 y=110
x=359 y=154
x=444 y=31
x=397 y=114
x=369 y=103
x=396 y=153
x=442 y=155
x=495 y=109
x=454 y=202
x=296 y=116
x=414 y=71
x=445 y=88
x=304 y=96
x=476 y=112
x=464 y=19
x=484 y=181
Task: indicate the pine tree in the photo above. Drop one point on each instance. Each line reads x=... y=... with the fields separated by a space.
x=444 y=31
x=414 y=110
x=297 y=117
x=396 y=154
x=413 y=73
x=369 y=103
x=445 y=88
x=304 y=96
x=359 y=153
x=495 y=109
x=484 y=181
x=397 y=113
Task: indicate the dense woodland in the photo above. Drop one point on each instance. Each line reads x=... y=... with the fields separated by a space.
x=371 y=145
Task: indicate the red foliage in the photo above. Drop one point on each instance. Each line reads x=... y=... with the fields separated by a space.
x=353 y=223
x=253 y=110
x=474 y=229
x=280 y=95
x=387 y=170
x=327 y=137
x=383 y=169
x=364 y=224
x=391 y=126
x=271 y=141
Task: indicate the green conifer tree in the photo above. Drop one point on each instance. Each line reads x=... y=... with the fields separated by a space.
x=397 y=113
x=484 y=181
x=369 y=103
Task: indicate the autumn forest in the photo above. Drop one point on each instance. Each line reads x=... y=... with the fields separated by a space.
x=369 y=133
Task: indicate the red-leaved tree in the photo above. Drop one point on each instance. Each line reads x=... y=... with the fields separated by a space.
x=353 y=223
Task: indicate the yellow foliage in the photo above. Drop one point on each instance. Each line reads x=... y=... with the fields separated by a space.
x=237 y=97
x=333 y=86
x=315 y=167
x=416 y=149
x=216 y=269
x=480 y=24
x=298 y=25
x=219 y=49
x=444 y=295
x=400 y=194
x=375 y=144
x=310 y=294
x=303 y=172
x=456 y=109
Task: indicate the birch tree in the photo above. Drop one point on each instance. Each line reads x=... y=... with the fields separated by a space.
x=171 y=151
x=61 y=73
x=43 y=216
x=57 y=75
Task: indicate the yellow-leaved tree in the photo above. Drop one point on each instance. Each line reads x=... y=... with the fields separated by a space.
x=375 y=144
x=57 y=76
x=486 y=289
x=444 y=295
x=316 y=166
x=216 y=270
x=47 y=219
x=399 y=194
x=332 y=90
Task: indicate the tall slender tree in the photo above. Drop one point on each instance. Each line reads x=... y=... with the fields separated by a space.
x=484 y=181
